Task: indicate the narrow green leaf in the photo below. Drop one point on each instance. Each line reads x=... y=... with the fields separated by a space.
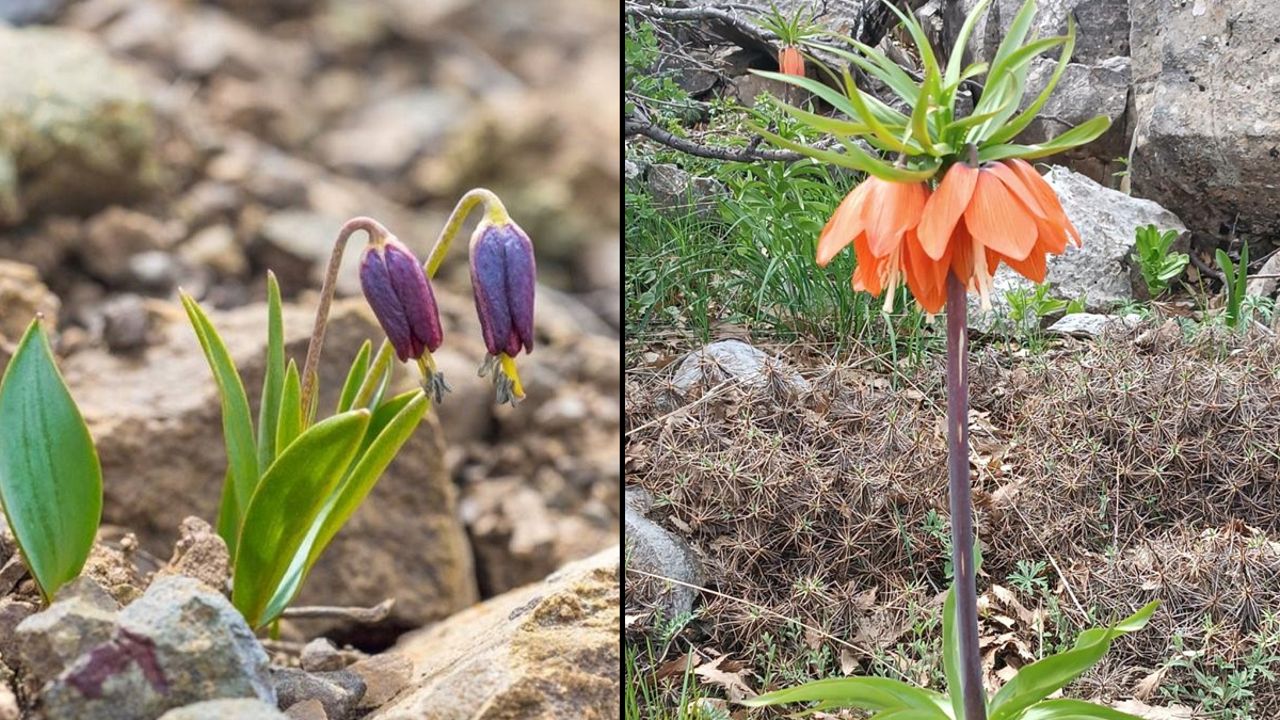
x=388 y=431
x=920 y=115
x=290 y=423
x=822 y=123
x=292 y=492
x=860 y=104
x=370 y=393
x=927 y=57
x=229 y=515
x=355 y=377
x=237 y=423
x=878 y=66
x=1017 y=32
x=952 y=663
x=1079 y=135
x=1038 y=680
x=869 y=693
x=1063 y=709
x=1011 y=130
x=854 y=158
x=834 y=98
x=273 y=378
x=952 y=75
x=50 y=478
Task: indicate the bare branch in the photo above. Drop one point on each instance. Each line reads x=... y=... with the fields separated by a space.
x=727 y=154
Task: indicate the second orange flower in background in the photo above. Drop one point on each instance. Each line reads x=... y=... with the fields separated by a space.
x=977 y=218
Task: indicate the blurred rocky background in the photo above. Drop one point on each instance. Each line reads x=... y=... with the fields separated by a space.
x=152 y=145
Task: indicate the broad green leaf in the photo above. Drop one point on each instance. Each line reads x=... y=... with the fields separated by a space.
x=920 y=115
x=952 y=75
x=388 y=431
x=1063 y=709
x=869 y=693
x=237 y=424
x=290 y=423
x=355 y=377
x=1011 y=130
x=952 y=663
x=50 y=479
x=292 y=493
x=860 y=104
x=1038 y=680
x=273 y=378
x=1086 y=131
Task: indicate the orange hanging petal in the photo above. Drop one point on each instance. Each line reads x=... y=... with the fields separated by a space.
x=998 y=220
x=961 y=249
x=790 y=62
x=923 y=276
x=866 y=276
x=944 y=208
x=1044 y=192
x=845 y=223
x=891 y=209
x=1033 y=267
x=1015 y=184
x=1052 y=237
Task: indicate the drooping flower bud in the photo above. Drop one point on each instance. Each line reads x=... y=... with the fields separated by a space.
x=503 y=276
x=396 y=288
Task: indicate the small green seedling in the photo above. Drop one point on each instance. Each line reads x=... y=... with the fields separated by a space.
x=50 y=478
x=1157 y=265
x=291 y=486
x=1235 y=277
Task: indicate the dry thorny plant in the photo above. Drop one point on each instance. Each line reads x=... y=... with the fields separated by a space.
x=1137 y=465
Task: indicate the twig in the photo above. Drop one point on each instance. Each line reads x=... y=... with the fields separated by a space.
x=713 y=392
x=746 y=154
x=374 y=614
x=743 y=30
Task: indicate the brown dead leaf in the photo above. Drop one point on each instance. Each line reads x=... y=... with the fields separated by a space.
x=848 y=661
x=733 y=683
x=1146 y=688
x=1153 y=712
x=677 y=665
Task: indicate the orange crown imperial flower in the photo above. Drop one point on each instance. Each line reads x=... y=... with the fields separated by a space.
x=989 y=205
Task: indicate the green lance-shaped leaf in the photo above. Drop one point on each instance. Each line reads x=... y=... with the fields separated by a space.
x=868 y=693
x=952 y=662
x=391 y=427
x=355 y=376
x=50 y=479
x=1086 y=131
x=854 y=158
x=273 y=378
x=290 y=423
x=1063 y=709
x=292 y=493
x=951 y=77
x=1038 y=680
x=1018 y=124
x=237 y=424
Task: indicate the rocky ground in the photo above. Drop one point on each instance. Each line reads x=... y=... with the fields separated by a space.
x=154 y=145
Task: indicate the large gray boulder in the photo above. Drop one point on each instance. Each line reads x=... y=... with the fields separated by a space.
x=1207 y=134
x=76 y=129
x=1100 y=271
x=1102 y=29
x=1083 y=92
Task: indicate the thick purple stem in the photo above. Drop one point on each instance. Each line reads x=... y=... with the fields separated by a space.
x=962 y=501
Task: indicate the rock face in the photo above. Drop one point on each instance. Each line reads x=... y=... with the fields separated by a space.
x=1207 y=136
x=81 y=616
x=1083 y=92
x=1102 y=29
x=180 y=643
x=77 y=133
x=548 y=650
x=1100 y=271
x=158 y=431
x=677 y=191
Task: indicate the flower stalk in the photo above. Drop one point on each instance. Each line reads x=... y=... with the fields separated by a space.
x=962 y=557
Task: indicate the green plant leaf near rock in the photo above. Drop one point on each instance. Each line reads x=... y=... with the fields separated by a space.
x=50 y=477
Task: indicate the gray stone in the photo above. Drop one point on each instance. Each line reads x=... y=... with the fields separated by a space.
x=178 y=644
x=1089 y=324
x=385 y=137
x=215 y=247
x=651 y=549
x=306 y=710
x=126 y=323
x=81 y=616
x=29 y=12
x=1100 y=271
x=296 y=245
x=8 y=703
x=737 y=360
x=79 y=132
x=339 y=691
x=115 y=236
x=320 y=655
x=1206 y=133
x=12 y=613
x=239 y=709
x=633 y=172
x=679 y=193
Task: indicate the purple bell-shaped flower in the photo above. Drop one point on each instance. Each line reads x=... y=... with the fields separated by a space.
x=397 y=290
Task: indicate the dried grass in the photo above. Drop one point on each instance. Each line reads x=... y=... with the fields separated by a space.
x=803 y=503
